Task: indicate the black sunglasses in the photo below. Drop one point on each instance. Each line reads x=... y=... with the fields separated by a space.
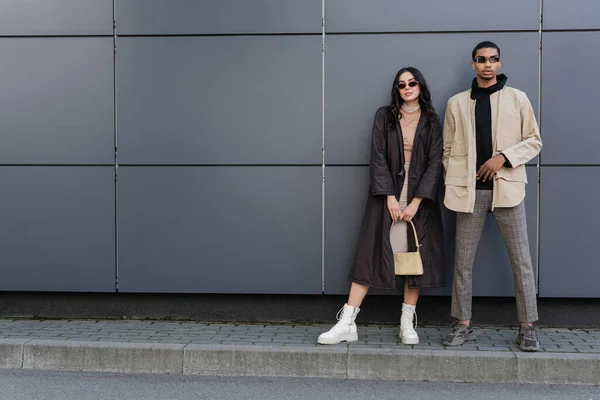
x=483 y=60
x=402 y=85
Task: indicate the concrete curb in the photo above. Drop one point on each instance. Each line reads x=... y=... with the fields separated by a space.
x=432 y=365
x=11 y=353
x=236 y=360
x=300 y=361
x=559 y=368
x=153 y=358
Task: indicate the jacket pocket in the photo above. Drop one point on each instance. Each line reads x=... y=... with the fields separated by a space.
x=510 y=186
x=455 y=193
x=518 y=174
x=457 y=169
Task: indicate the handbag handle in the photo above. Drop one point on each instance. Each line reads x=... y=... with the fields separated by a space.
x=415 y=233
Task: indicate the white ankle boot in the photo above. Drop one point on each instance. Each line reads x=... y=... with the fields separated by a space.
x=407 y=331
x=344 y=330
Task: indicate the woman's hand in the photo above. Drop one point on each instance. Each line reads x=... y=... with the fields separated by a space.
x=410 y=211
x=394 y=208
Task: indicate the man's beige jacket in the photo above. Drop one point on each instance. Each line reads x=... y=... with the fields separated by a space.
x=515 y=134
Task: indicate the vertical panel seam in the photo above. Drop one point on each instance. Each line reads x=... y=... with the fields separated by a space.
x=539 y=161
x=116 y=161
x=323 y=146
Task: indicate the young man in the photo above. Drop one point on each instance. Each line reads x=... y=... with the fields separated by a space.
x=490 y=132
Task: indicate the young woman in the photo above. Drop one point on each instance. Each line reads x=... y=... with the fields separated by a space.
x=406 y=163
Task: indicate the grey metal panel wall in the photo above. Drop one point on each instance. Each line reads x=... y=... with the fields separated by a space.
x=570 y=126
x=570 y=140
x=574 y=14
x=58 y=230
x=56 y=17
x=178 y=104
x=205 y=90
x=161 y=17
x=346 y=195
x=219 y=100
x=568 y=232
x=569 y=129
x=56 y=101
x=432 y=15
x=220 y=229
x=360 y=70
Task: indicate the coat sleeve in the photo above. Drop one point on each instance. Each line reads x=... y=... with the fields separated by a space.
x=531 y=142
x=429 y=181
x=381 y=176
x=449 y=128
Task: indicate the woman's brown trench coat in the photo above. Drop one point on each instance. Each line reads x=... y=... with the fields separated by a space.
x=374 y=259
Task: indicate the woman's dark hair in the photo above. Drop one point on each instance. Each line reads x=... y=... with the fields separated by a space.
x=424 y=97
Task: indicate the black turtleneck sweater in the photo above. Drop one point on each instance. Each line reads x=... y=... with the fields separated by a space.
x=483 y=124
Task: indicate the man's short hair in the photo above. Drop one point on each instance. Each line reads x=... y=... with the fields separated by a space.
x=485 y=45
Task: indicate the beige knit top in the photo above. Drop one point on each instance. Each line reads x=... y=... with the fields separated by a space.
x=409 y=123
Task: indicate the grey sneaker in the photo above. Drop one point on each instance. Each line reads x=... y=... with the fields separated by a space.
x=460 y=334
x=527 y=339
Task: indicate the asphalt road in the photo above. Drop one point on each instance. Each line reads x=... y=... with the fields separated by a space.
x=34 y=385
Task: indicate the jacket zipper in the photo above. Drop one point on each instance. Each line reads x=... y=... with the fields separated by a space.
x=472 y=140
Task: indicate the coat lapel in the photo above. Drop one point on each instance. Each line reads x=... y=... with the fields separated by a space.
x=419 y=130
x=495 y=100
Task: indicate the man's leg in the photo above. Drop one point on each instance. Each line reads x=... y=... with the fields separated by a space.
x=469 y=228
x=513 y=227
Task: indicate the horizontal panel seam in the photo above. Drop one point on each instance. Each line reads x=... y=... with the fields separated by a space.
x=54 y=36
x=340 y=33
x=218 y=165
x=571 y=165
x=57 y=165
x=144 y=35
x=573 y=30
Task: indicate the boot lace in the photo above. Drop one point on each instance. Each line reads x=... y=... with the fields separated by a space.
x=340 y=325
x=408 y=318
x=339 y=314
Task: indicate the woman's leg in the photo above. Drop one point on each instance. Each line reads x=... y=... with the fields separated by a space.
x=357 y=294
x=410 y=295
x=407 y=330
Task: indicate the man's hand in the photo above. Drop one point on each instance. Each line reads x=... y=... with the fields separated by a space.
x=489 y=169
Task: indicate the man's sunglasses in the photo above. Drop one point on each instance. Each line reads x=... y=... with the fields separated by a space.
x=483 y=60
x=402 y=85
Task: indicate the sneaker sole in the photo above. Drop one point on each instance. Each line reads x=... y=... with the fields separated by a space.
x=410 y=341
x=467 y=338
x=525 y=348
x=530 y=348
x=345 y=338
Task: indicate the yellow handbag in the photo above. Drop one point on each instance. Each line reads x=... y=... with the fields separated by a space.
x=409 y=263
